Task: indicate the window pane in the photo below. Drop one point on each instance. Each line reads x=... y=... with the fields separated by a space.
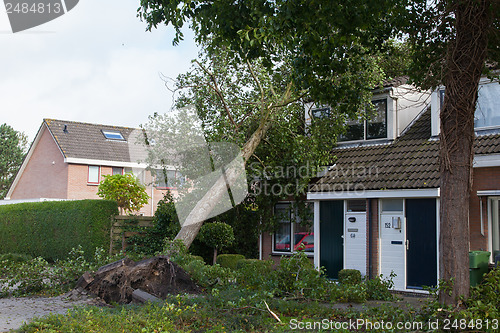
x=356 y=205
x=488 y=106
x=165 y=178
x=355 y=130
x=321 y=113
x=392 y=205
x=117 y=171
x=113 y=135
x=377 y=122
x=495 y=227
x=282 y=234
x=93 y=176
x=303 y=238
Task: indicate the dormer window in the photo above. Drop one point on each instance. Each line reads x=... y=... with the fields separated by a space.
x=113 y=135
x=368 y=129
x=321 y=113
x=488 y=106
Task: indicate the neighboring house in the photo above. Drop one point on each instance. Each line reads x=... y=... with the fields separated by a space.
x=377 y=208
x=67 y=160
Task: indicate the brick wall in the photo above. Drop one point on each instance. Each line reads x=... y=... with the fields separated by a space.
x=45 y=174
x=374 y=270
x=79 y=188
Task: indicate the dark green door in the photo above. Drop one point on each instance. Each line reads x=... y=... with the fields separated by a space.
x=331 y=242
x=421 y=253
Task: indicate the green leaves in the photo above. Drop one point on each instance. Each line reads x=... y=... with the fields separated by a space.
x=12 y=147
x=125 y=190
x=217 y=234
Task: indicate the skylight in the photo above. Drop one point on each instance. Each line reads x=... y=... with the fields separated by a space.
x=113 y=135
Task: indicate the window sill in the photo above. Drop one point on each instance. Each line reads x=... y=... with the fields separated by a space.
x=92 y=184
x=289 y=254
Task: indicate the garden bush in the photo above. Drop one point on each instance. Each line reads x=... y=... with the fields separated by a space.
x=165 y=225
x=51 y=229
x=37 y=276
x=14 y=257
x=255 y=274
x=297 y=276
x=216 y=235
x=378 y=288
x=349 y=276
x=229 y=260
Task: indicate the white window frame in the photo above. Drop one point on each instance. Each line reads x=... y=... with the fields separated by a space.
x=92 y=175
x=107 y=133
x=365 y=122
x=491 y=214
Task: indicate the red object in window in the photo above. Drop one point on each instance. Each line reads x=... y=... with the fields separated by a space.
x=303 y=241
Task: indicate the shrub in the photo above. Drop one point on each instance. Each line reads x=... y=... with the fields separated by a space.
x=216 y=235
x=484 y=301
x=150 y=240
x=349 y=276
x=36 y=275
x=14 y=257
x=296 y=275
x=52 y=229
x=379 y=288
x=229 y=260
x=209 y=276
x=126 y=190
x=255 y=274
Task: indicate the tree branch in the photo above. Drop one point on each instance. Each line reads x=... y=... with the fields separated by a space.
x=218 y=93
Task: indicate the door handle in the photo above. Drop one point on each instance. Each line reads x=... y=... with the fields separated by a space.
x=407 y=245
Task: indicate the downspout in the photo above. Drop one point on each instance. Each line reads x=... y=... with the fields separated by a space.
x=152 y=200
x=369 y=211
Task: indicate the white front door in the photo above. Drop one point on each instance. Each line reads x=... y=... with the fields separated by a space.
x=392 y=242
x=355 y=241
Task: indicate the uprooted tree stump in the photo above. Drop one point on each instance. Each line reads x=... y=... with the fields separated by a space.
x=157 y=276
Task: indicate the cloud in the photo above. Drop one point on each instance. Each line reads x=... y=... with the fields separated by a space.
x=94 y=64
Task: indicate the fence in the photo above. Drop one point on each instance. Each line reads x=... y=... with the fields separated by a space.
x=123 y=227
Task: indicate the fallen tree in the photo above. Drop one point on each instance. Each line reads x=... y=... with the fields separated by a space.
x=125 y=280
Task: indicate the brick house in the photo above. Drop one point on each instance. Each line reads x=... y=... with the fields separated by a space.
x=67 y=160
x=377 y=208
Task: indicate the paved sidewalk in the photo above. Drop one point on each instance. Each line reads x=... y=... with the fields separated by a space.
x=14 y=312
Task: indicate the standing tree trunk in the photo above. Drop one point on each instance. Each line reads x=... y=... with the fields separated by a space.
x=215 y=256
x=464 y=64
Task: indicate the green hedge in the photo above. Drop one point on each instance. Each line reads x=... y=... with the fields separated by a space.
x=256 y=265
x=51 y=229
x=229 y=260
x=349 y=276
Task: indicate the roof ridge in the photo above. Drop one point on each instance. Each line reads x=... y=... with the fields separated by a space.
x=48 y=120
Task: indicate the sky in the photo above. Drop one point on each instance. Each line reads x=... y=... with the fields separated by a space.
x=97 y=64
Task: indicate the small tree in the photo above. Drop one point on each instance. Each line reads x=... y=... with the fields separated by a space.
x=12 y=148
x=217 y=235
x=125 y=190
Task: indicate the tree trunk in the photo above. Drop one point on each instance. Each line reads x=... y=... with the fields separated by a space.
x=199 y=213
x=215 y=256
x=464 y=64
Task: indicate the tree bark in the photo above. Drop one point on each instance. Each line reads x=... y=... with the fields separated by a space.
x=464 y=64
x=199 y=213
